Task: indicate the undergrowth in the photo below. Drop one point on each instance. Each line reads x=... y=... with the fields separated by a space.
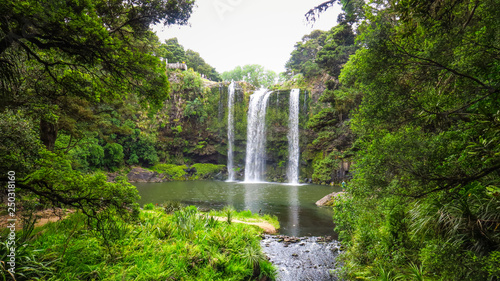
x=247 y=216
x=183 y=245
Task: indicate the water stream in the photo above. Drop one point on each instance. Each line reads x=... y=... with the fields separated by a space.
x=302 y=258
x=230 y=131
x=256 y=136
x=293 y=138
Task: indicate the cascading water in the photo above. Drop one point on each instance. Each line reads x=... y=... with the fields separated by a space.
x=230 y=131
x=293 y=138
x=256 y=136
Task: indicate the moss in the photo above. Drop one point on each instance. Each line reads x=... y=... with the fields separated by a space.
x=171 y=171
x=207 y=170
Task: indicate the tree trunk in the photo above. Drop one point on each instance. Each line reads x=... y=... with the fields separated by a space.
x=48 y=133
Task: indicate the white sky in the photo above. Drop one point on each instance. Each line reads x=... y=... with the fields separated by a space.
x=228 y=33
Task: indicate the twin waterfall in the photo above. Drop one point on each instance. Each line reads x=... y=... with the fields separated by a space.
x=255 y=162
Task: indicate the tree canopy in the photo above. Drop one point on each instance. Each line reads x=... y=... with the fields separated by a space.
x=62 y=63
x=427 y=146
x=252 y=73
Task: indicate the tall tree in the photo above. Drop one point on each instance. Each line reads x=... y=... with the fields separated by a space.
x=252 y=73
x=91 y=50
x=428 y=165
x=59 y=61
x=195 y=61
x=172 y=51
x=303 y=57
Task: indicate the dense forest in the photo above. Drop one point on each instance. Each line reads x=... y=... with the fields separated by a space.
x=424 y=86
x=401 y=99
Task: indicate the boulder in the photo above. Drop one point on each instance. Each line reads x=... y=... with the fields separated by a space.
x=142 y=175
x=328 y=199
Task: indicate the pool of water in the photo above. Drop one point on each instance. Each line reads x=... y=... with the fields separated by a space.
x=293 y=205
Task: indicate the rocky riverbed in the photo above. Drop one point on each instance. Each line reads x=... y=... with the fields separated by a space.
x=302 y=258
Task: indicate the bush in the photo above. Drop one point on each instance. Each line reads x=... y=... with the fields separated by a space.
x=113 y=156
x=68 y=250
x=96 y=156
x=171 y=171
x=149 y=206
x=206 y=170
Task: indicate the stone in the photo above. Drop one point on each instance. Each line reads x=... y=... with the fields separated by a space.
x=139 y=174
x=328 y=199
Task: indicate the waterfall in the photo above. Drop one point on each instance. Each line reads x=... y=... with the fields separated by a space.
x=256 y=136
x=292 y=172
x=230 y=131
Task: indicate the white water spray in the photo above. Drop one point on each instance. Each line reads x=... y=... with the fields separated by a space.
x=230 y=131
x=293 y=138
x=256 y=136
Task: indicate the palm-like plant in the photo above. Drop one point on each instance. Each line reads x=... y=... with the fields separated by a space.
x=468 y=221
x=252 y=257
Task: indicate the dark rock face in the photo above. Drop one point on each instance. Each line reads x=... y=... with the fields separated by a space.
x=142 y=175
x=190 y=171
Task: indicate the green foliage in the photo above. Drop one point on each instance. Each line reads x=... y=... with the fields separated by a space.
x=96 y=156
x=194 y=60
x=139 y=144
x=171 y=171
x=324 y=168
x=246 y=216
x=67 y=250
x=339 y=45
x=427 y=146
x=207 y=170
x=252 y=73
x=302 y=58
x=149 y=206
x=172 y=206
x=195 y=109
x=19 y=144
x=113 y=154
x=172 y=51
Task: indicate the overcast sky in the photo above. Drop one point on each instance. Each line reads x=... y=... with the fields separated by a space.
x=228 y=33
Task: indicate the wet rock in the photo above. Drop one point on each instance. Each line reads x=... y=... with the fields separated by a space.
x=329 y=199
x=307 y=260
x=324 y=239
x=138 y=174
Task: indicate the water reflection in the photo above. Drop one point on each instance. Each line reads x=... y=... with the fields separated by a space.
x=293 y=205
x=294 y=210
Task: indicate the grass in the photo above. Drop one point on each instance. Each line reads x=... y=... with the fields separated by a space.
x=183 y=245
x=247 y=216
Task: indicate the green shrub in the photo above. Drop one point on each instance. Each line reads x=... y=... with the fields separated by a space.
x=113 y=156
x=207 y=170
x=172 y=206
x=96 y=156
x=181 y=246
x=149 y=206
x=171 y=171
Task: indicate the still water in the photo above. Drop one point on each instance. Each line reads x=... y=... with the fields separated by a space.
x=293 y=205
